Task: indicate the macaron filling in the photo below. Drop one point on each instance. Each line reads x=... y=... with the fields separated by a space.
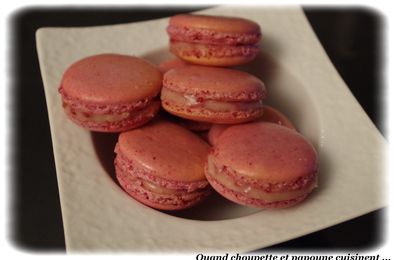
x=190 y=101
x=156 y=188
x=250 y=191
x=184 y=49
x=201 y=35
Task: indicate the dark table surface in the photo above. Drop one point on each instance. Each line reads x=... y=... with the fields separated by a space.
x=351 y=37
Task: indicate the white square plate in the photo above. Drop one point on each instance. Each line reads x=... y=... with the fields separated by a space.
x=98 y=215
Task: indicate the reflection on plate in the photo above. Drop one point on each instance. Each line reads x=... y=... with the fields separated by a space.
x=301 y=82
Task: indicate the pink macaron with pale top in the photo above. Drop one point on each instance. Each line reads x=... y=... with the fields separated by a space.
x=162 y=165
x=263 y=165
x=111 y=92
x=214 y=40
x=214 y=95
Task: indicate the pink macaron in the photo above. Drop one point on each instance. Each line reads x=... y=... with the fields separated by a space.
x=111 y=92
x=214 y=95
x=214 y=40
x=162 y=165
x=262 y=165
x=271 y=115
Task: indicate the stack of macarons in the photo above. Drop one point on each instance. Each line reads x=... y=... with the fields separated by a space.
x=192 y=125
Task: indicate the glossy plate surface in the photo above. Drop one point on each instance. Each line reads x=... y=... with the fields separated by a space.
x=302 y=83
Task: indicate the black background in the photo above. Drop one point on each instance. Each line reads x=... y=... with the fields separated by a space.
x=351 y=37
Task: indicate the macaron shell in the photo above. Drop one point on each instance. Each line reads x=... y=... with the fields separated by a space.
x=269 y=152
x=167 y=150
x=171 y=64
x=216 y=61
x=214 y=83
x=274 y=116
x=215 y=23
x=214 y=133
x=111 y=79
